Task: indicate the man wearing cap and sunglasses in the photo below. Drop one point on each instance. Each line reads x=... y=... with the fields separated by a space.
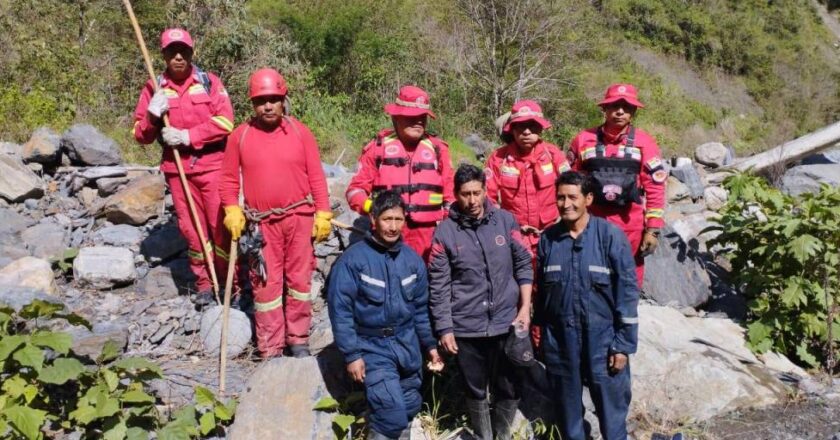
x=629 y=175
x=200 y=119
x=409 y=160
x=288 y=215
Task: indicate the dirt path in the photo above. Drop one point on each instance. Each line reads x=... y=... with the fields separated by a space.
x=817 y=419
x=829 y=20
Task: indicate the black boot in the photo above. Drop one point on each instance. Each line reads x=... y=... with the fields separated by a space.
x=299 y=350
x=479 y=412
x=204 y=299
x=503 y=413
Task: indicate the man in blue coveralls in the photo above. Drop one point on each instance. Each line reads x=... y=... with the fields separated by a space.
x=378 y=296
x=588 y=310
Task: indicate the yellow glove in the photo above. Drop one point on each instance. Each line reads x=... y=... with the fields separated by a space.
x=367 y=205
x=321 y=228
x=234 y=221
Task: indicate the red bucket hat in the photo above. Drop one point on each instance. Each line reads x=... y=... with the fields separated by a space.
x=621 y=92
x=526 y=110
x=175 y=35
x=411 y=101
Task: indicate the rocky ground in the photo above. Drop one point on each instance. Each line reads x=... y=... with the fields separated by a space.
x=79 y=227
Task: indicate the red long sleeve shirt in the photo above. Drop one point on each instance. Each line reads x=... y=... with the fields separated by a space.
x=651 y=178
x=279 y=167
x=208 y=117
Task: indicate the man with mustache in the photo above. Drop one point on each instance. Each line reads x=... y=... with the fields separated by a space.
x=628 y=172
x=200 y=118
x=288 y=215
x=588 y=311
x=412 y=162
x=378 y=296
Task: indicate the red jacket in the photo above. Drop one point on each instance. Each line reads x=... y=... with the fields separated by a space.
x=209 y=118
x=524 y=185
x=278 y=167
x=385 y=163
x=651 y=178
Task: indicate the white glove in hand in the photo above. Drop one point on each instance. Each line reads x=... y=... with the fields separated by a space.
x=175 y=137
x=159 y=104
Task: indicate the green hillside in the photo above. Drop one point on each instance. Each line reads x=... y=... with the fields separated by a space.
x=750 y=73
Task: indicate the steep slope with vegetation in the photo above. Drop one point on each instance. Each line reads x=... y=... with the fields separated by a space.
x=749 y=73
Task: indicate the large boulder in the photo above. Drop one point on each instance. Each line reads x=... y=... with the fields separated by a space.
x=238 y=336
x=139 y=201
x=12 y=223
x=46 y=240
x=675 y=190
x=675 y=274
x=10 y=148
x=11 y=252
x=29 y=272
x=807 y=178
x=696 y=368
x=17 y=181
x=283 y=391
x=85 y=145
x=126 y=236
x=43 y=147
x=103 y=267
x=689 y=176
x=712 y=154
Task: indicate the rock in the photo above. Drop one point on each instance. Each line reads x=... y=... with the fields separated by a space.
x=43 y=147
x=675 y=275
x=29 y=272
x=478 y=145
x=12 y=223
x=36 y=168
x=139 y=201
x=163 y=332
x=239 y=331
x=17 y=297
x=283 y=390
x=781 y=364
x=675 y=190
x=696 y=368
x=10 y=253
x=10 y=149
x=159 y=283
x=715 y=197
x=45 y=240
x=110 y=185
x=163 y=243
x=94 y=173
x=103 y=267
x=690 y=226
x=682 y=162
x=826 y=157
x=126 y=236
x=17 y=182
x=85 y=145
x=89 y=343
x=88 y=197
x=711 y=154
x=691 y=178
x=807 y=178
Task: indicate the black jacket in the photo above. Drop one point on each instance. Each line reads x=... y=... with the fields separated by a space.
x=476 y=268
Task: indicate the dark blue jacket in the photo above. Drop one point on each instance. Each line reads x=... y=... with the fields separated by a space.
x=371 y=288
x=476 y=268
x=589 y=282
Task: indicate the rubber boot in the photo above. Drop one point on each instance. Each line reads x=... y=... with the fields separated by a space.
x=503 y=413
x=479 y=412
x=299 y=350
x=373 y=435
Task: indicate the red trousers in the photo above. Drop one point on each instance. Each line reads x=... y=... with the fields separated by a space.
x=419 y=238
x=205 y=194
x=282 y=304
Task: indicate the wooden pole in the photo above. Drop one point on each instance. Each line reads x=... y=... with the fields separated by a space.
x=234 y=255
x=206 y=250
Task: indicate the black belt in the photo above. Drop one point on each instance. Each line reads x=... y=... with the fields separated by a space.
x=382 y=332
x=414 y=187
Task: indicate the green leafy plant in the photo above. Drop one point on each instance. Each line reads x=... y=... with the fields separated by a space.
x=65 y=262
x=344 y=418
x=47 y=390
x=785 y=256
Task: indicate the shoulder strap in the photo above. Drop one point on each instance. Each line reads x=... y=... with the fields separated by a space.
x=204 y=78
x=599 y=146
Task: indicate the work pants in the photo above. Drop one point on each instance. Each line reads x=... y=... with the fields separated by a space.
x=575 y=355
x=282 y=304
x=204 y=189
x=483 y=363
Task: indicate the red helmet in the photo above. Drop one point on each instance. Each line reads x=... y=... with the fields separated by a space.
x=266 y=82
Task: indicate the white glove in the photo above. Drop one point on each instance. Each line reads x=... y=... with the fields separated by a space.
x=159 y=104
x=175 y=137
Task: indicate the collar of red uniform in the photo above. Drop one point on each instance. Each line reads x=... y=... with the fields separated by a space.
x=188 y=81
x=532 y=156
x=609 y=139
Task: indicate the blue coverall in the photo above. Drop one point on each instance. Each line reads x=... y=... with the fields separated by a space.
x=588 y=308
x=378 y=304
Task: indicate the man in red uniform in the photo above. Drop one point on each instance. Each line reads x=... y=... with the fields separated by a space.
x=200 y=118
x=521 y=174
x=268 y=147
x=627 y=167
x=411 y=161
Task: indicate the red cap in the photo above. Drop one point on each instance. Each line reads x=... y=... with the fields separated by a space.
x=526 y=110
x=621 y=92
x=266 y=82
x=175 y=35
x=412 y=101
